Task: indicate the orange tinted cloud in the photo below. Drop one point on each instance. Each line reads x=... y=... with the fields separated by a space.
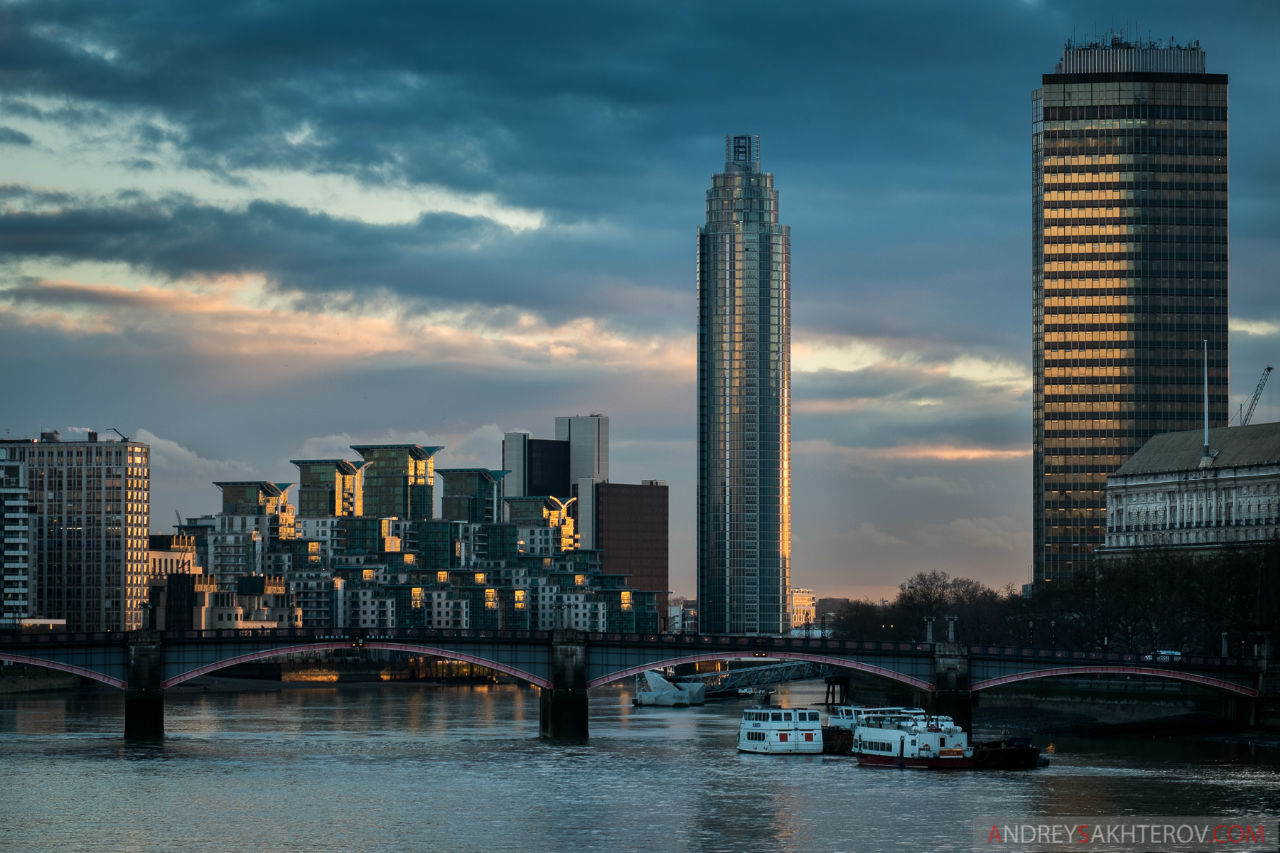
x=241 y=317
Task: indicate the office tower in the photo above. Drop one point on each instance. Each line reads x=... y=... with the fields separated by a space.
x=90 y=510
x=398 y=480
x=329 y=488
x=744 y=401
x=15 y=521
x=588 y=440
x=1129 y=274
x=556 y=467
x=630 y=526
x=537 y=466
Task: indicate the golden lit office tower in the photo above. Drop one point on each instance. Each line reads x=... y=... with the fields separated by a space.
x=88 y=527
x=1129 y=274
x=744 y=401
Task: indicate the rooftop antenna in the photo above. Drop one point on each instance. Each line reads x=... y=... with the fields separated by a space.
x=1206 y=460
x=123 y=437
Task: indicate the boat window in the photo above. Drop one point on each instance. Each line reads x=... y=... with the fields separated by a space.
x=777 y=716
x=942 y=741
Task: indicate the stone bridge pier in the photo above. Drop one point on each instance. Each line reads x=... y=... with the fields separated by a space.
x=144 y=698
x=952 y=697
x=563 y=707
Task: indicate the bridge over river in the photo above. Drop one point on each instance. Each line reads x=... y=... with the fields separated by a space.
x=566 y=664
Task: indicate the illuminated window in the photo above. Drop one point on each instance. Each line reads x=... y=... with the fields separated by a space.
x=520 y=599
x=491 y=599
x=579 y=580
x=626 y=599
x=442 y=577
x=479 y=577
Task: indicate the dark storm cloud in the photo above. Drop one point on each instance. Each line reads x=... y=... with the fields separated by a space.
x=179 y=237
x=19 y=193
x=880 y=129
x=9 y=136
x=524 y=98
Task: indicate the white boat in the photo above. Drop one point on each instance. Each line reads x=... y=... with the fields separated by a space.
x=903 y=737
x=780 y=730
x=656 y=690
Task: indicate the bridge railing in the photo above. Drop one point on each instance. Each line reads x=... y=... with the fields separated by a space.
x=711 y=642
x=1150 y=659
x=720 y=642
x=390 y=634
x=31 y=638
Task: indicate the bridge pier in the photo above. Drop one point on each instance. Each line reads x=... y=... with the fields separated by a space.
x=951 y=678
x=144 y=698
x=837 y=690
x=1242 y=710
x=563 y=709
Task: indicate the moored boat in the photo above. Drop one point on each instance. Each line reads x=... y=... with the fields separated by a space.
x=899 y=737
x=1010 y=753
x=780 y=730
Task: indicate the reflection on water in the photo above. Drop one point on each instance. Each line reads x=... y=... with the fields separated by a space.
x=392 y=767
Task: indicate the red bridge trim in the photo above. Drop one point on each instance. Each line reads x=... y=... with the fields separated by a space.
x=65 y=667
x=1229 y=686
x=845 y=663
x=346 y=644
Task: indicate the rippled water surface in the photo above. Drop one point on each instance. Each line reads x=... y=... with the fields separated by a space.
x=419 y=767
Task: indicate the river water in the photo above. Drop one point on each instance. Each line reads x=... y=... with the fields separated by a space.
x=423 y=767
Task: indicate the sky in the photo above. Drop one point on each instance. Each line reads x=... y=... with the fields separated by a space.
x=249 y=232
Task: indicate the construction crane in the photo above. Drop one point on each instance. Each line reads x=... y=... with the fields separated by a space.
x=1247 y=414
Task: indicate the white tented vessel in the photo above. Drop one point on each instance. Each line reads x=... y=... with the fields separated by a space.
x=780 y=730
x=656 y=690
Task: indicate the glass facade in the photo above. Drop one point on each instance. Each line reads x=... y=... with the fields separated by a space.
x=1129 y=275
x=744 y=401
x=398 y=480
x=329 y=487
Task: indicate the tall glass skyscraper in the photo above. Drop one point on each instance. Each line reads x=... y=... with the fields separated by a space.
x=744 y=401
x=1129 y=274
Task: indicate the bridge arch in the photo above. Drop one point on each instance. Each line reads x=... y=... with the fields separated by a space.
x=413 y=648
x=65 y=667
x=831 y=660
x=1144 y=671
